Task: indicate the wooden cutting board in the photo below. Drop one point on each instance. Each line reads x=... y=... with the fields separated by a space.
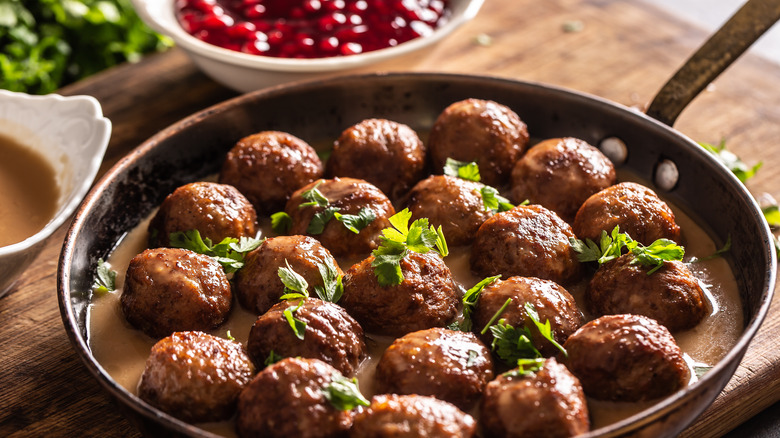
x=623 y=51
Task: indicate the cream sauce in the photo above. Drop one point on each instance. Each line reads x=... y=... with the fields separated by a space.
x=122 y=351
x=28 y=191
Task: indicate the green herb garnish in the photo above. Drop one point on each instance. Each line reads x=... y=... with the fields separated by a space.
x=272 y=358
x=493 y=201
x=295 y=286
x=353 y=222
x=229 y=337
x=611 y=247
x=742 y=171
x=462 y=169
x=526 y=366
x=545 y=329
x=772 y=215
x=512 y=344
x=397 y=240
x=332 y=288
x=470 y=299
x=229 y=252
x=314 y=197
x=105 y=280
x=298 y=327
x=343 y=393
x=281 y=222
x=356 y=222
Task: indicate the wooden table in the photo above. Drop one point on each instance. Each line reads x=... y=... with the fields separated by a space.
x=624 y=52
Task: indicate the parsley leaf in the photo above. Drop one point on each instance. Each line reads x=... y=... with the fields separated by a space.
x=105 y=280
x=343 y=393
x=295 y=286
x=740 y=169
x=526 y=366
x=272 y=358
x=229 y=252
x=298 y=326
x=332 y=288
x=314 y=197
x=512 y=344
x=726 y=247
x=229 y=337
x=772 y=215
x=281 y=222
x=470 y=299
x=655 y=254
x=356 y=222
x=400 y=238
x=320 y=219
x=493 y=201
x=462 y=169
x=545 y=329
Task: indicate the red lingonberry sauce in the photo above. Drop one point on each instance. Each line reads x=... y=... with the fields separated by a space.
x=309 y=28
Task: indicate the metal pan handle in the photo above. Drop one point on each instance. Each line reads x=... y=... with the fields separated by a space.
x=718 y=53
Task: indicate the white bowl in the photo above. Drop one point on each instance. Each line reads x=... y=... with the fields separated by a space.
x=244 y=72
x=72 y=134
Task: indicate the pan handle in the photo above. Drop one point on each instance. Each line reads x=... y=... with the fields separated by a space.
x=718 y=53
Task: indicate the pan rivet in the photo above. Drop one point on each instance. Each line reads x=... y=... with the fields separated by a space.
x=666 y=175
x=615 y=149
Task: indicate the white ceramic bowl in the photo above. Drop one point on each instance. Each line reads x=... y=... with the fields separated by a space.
x=72 y=134
x=244 y=72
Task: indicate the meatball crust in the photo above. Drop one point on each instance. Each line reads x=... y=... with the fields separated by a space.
x=479 y=130
x=387 y=154
x=195 y=376
x=350 y=196
x=638 y=211
x=331 y=335
x=453 y=203
x=672 y=295
x=548 y=402
x=626 y=358
x=528 y=241
x=411 y=416
x=171 y=289
x=560 y=174
x=267 y=167
x=450 y=365
x=216 y=210
x=258 y=285
x=286 y=400
x=427 y=297
x=551 y=301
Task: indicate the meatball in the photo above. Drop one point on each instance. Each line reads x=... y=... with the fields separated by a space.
x=427 y=297
x=411 y=416
x=195 y=376
x=479 y=130
x=626 y=358
x=672 y=295
x=548 y=402
x=450 y=365
x=349 y=196
x=258 y=285
x=638 y=211
x=453 y=203
x=171 y=289
x=216 y=210
x=287 y=400
x=330 y=335
x=560 y=174
x=387 y=154
x=529 y=241
x=269 y=166
x=552 y=303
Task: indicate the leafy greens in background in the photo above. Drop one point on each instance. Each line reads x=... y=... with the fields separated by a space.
x=46 y=44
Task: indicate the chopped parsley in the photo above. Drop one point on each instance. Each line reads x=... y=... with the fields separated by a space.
x=526 y=367
x=462 y=169
x=281 y=222
x=742 y=171
x=315 y=198
x=470 y=299
x=772 y=215
x=493 y=201
x=229 y=252
x=105 y=280
x=296 y=287
x=343 y=393
x=298 y=327
x=272 y=358
x=512 y=344
x=611 y=247
x=398 y=240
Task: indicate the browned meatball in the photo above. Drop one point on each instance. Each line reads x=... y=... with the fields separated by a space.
x=548 y=402
x=269 y=166
x=626 y=358
x=170 y=289
x=286 y=400
x=449 y=365
x=427 y=296
x=638 y=211
x=560 y=174
x=453 y=203
x=331 y=335
x=529 y=241
x=258 y=285
x=215 y=210
x=552 y=303
x=479 y=130
x=411 y=416
x=672 y=295
x=387 y=154
x=195 y=376
x=349 y=196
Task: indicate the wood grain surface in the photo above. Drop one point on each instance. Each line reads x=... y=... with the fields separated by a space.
x=624 y=52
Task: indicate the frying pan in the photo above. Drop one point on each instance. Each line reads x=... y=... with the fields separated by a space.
x=318 y=110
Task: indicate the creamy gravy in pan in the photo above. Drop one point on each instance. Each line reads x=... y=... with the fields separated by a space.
x=122 y=350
